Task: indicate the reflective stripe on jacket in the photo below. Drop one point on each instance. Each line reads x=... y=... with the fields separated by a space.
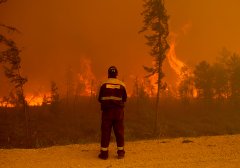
x=112 y=94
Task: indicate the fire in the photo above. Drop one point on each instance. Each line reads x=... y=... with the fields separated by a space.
x=176 y=64
x=5 y=103
x=86 y=86
x=152 y=86
x=34 y=101
x=31 y=99
x=37 y=100
x=181 y=69
x=86 y=79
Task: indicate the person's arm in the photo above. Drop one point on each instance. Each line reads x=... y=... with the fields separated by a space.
x=100 y=94
x=124 y=98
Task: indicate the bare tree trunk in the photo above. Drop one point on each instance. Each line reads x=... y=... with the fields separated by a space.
x=26 y=114
x=156 y=124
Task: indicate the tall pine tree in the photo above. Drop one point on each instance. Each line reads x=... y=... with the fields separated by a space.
x=156 y=32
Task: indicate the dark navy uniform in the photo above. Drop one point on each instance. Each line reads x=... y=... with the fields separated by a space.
x=112 y=97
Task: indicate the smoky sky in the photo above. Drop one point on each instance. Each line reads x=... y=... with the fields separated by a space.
x=57 y=34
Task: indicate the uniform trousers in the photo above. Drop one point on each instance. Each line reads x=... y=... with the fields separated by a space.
x=112 y=118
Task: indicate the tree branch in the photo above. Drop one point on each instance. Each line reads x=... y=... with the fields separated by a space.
x=10 y=28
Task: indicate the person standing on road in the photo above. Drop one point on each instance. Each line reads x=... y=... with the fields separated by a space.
x=112 y=97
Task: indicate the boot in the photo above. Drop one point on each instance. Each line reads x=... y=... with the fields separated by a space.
x=103 y=155
x=121 y=154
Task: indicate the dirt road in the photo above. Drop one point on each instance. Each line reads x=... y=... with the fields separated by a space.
x=203 y=152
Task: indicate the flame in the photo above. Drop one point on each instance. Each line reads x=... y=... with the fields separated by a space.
x=4 y=103
x=151 y=88
x=31 y=99
x=86 y=87
x=37 y=100
x=150 y=84
x=34 y=101
x=181 y=69
x=176 y=64
x=86 y=78
x=144 y=86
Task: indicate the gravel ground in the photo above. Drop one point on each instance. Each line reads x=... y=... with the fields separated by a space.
x=202 y=152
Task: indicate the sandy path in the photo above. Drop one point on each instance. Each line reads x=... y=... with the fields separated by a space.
x=204 y=152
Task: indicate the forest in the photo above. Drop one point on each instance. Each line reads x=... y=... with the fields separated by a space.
x=206 y=102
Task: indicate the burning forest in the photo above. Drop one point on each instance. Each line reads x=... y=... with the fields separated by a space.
x=52 y=70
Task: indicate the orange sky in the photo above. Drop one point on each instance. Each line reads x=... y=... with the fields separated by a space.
x=56 y=34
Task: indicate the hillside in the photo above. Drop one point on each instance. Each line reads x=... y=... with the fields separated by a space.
x=214 y=152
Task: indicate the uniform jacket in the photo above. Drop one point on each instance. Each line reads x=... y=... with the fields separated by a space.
x=112 y=94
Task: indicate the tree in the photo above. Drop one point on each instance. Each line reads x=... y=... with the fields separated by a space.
x=69 y=85
x=220 y=81
x=156 y=26
x=231 y=64
x=186 y=86
x=139 y=89
x=11 y=64
x=54 y=93
x=45 y=101
x=203 y=79
x=11 y=61
x=233 y=68
x=54 y=97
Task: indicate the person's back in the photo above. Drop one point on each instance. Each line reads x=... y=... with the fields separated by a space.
x=112 y=96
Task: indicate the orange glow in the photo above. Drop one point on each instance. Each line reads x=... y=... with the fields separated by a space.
x=173 y=61
x=32 y=100
x=5 y=103
x=36 y=100
x=182 y=70
x=86 y=78
x=74 y=28
x=152 y=89
x=150 y=85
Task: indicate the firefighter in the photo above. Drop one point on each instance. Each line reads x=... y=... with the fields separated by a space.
x=112 y=97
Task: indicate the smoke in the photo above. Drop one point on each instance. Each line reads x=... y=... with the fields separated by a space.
x=56 y=34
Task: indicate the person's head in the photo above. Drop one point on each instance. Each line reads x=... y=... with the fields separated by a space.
x=112 y=72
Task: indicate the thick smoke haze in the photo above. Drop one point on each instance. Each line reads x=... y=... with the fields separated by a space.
x=56 y=35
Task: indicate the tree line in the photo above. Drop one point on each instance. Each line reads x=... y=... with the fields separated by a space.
x=219 y=80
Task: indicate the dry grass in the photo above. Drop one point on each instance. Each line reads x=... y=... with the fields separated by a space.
x=79 y=122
